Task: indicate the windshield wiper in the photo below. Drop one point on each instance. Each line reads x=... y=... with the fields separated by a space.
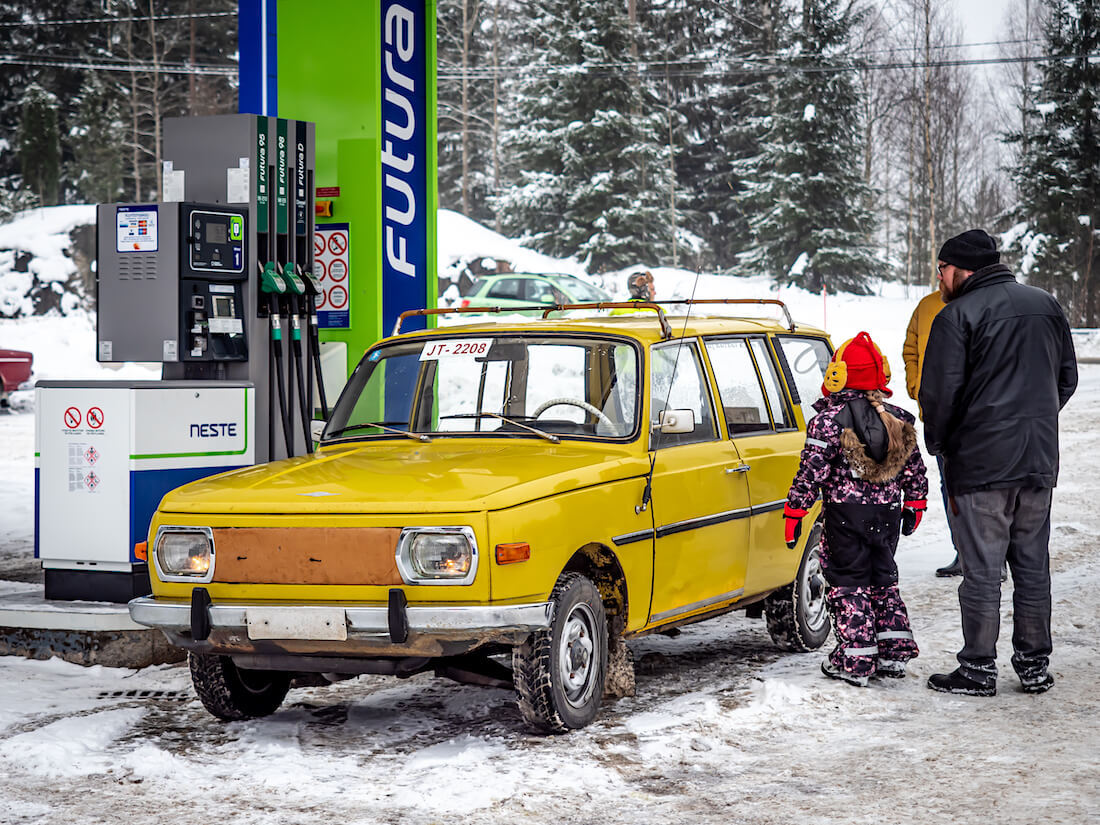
x=366 y=425
x=548 y=436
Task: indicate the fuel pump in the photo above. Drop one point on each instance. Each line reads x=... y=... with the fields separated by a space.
x=196 y=282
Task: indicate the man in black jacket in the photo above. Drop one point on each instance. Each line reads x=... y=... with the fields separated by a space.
x=998 y=368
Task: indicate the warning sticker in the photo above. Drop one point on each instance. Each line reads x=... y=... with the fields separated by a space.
x=331 y=267
x=72 y=418
x=95 y=417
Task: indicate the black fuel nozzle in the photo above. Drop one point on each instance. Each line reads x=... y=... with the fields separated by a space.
x=312 y=285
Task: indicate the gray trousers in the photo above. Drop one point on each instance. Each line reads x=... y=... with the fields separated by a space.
x=990 y=527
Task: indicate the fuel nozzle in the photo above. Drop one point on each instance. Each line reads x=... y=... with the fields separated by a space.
x=293 y=282
x=271 y=281
x=312 y=285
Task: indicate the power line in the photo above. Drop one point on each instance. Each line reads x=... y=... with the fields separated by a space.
x=164 y=68
x=749 y=65
x=83 y=21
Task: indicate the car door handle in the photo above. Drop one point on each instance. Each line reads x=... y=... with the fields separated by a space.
x=741 y=468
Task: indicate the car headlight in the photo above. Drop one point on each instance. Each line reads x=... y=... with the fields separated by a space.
x=184 y=553
x=437 y=555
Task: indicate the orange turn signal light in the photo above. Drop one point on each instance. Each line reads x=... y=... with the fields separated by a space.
x=141 y=551
x=512 y=553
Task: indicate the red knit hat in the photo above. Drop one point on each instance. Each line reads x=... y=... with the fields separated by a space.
x=857 y=365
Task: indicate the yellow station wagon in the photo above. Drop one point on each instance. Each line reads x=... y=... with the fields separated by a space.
x=505 y=504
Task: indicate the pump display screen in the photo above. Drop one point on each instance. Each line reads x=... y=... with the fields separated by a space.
x=217 y=232
x=216 y=242
x=223 y=306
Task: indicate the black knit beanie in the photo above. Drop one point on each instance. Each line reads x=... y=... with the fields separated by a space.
x=971 y=250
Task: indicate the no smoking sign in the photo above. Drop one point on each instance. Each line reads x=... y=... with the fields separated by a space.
x=331 y=266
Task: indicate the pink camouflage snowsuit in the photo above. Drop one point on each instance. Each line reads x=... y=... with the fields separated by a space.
x=862 y=522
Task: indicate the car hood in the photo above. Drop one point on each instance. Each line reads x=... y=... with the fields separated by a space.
x=445 y=475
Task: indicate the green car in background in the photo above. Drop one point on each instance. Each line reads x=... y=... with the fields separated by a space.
x=515 y=289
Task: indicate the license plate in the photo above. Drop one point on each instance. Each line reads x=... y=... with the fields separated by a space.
x=320 y=623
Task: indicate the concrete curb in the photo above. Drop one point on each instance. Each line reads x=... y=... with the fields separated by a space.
x=86 y=633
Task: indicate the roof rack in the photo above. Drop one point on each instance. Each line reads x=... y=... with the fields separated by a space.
x=773 y=301
x=666 y=329
x=689 y=301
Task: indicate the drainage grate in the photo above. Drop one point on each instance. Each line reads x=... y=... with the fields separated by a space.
x=170 y=695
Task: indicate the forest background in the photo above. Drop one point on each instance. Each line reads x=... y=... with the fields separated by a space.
x=824 y=143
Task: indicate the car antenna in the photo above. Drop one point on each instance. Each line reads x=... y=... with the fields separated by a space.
x=647 y=493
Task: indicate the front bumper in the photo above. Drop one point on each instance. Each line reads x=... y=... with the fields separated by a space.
x=443 y=630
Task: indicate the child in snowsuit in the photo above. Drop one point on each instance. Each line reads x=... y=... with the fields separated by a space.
x=861 y=457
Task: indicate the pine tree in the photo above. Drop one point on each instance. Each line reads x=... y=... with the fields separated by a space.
x=465 y=40
x=723 y=97
x=97 y=137
x=589 y=162
x=804 y=195
x=1058 y=172
x=40 y=144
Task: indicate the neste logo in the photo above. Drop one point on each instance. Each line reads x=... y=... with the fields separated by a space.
x=218 y=430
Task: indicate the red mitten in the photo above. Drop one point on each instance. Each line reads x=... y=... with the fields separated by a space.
x=792 y=524
x=911 y=515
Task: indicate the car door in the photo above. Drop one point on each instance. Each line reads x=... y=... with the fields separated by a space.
x=762 y=427
x=761 y=424
x=699 y=501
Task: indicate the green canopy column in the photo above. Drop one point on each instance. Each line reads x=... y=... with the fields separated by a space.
x=364 y=72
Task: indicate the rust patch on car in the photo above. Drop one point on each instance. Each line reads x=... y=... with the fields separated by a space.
x=306 y=555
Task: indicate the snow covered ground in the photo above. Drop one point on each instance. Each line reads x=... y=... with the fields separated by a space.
x=724 y=728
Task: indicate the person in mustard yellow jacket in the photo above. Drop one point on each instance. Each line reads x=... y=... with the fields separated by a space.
x=916 y=338
x=912 y=353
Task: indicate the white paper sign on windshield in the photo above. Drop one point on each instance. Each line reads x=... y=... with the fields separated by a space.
x=458 y=348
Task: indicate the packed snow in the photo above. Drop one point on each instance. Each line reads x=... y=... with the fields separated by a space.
x=724 y=727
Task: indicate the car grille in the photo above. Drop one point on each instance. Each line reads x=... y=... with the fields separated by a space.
x=306 y=555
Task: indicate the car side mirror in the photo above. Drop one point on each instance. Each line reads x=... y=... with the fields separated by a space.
x=316 y=427
x=674 y=422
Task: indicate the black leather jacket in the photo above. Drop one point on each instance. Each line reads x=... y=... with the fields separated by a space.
x=998 y=367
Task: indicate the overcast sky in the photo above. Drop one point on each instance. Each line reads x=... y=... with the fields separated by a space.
x=982 y=20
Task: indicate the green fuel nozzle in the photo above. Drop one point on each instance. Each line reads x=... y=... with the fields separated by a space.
x=271 y=281
x=294 y=283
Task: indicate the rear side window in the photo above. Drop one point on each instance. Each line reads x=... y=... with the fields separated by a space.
x=508 y=288
x=781 y=415
x=739 y=388
x=806 y=360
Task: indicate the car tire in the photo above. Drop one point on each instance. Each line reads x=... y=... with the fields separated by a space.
x=797 y=615
x=232 y=693
x=559 y=672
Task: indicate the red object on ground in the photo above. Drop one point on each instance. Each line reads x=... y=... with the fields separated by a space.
x=15 y=369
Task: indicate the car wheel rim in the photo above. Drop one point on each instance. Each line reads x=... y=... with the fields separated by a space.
x=576 y=655
x=254 y=681
x=812 y=589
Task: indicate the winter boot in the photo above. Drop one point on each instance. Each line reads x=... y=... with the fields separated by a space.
x=953 y=569
x=834 y=672
x=956 y=682
x=1033 y=674
x=890 y=669
x=893 y=635
x=1039 y=685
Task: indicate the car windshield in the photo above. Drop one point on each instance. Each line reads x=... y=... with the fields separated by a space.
x=581 y=291
x=531 y=386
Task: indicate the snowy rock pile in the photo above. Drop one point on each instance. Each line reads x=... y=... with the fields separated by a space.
x=46 y=262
